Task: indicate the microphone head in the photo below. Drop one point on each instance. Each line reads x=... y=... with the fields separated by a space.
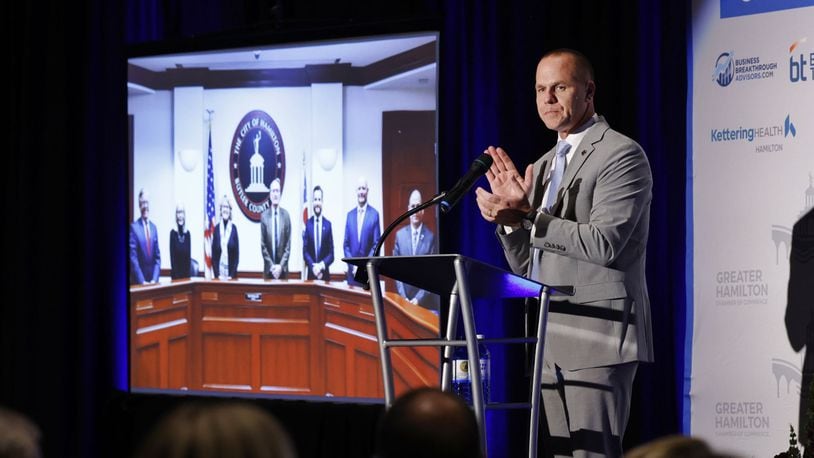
x=483 y=162
x=478 y=168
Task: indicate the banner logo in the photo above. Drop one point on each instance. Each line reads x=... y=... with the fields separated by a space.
x=724 y=69
x=741 y=287
x=256 y=158
x=768 y=138
x=788 y=372
x=728 y=68
x=800 y=63
x=788 y=127
x=741 y=417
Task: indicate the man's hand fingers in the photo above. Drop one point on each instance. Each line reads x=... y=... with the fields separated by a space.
x=505 y=161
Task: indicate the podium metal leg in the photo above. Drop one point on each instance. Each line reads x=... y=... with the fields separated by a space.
x=381 y=332
x=452 y=329
x=537 y=371
x=472 y=349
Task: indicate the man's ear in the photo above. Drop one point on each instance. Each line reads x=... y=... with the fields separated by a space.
x=590 y=91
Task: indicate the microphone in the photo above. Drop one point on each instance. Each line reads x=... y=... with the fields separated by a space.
x=476 y=170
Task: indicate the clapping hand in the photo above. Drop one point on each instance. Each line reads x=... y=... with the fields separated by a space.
x=509 y=200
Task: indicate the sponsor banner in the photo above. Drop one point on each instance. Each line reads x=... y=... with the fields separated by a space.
x=752 y=179
x=733 y=8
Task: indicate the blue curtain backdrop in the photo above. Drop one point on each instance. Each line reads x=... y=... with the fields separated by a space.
x=63 y=323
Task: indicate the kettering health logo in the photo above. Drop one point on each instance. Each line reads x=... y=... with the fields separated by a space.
x=801 y=63
x=769 y=136
x=728 y=68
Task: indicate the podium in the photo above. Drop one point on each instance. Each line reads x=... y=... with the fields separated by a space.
x=464 y=279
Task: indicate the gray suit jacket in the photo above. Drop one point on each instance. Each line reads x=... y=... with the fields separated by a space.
x=404 y=247
x=595 y=240
x=283 y=248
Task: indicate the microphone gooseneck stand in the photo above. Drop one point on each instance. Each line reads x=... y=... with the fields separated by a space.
x=361 y=274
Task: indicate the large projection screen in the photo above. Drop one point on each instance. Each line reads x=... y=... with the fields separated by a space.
x=238 y=301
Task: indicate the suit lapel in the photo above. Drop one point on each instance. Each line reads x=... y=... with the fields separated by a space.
x=365 y=225
x=540 y=183
x=148 y=239
x=586 y=148
x=321 y=234
x=354 y=239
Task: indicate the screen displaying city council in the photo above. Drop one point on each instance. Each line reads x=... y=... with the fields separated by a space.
x=253 y=172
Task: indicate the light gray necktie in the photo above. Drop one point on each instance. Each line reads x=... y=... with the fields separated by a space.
x=360 y=219
x=415 y=241
x=274 y=236
x=556 y=176
x=148 y=242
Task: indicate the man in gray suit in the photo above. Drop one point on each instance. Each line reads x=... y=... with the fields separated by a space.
x=416 y=239
x=590 y=232
x=275 y=236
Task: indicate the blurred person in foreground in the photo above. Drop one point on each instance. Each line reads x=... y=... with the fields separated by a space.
x=222 y=429
x=674 y=446
x=19 y=436
x=428 y=423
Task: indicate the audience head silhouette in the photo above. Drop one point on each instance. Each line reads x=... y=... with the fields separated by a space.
x=428 y=423
x=19 y=436
x=675 y=446
x=218 y=430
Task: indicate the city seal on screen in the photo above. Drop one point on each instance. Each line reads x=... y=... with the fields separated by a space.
x=256 y=158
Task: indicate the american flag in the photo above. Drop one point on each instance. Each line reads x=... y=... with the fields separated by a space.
x=304 y=271
x=209 y=223
x=304 y=195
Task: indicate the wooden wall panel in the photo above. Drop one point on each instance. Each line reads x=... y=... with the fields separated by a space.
x=422 y=362
x=178 y=363
x=273 y=337
x=146 y=370
x=293 y=353
x=227 y=359
x=158 y=321
x=367 y=376
x=336 y=357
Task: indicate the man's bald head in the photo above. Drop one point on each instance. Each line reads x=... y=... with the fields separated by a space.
x=429 y=423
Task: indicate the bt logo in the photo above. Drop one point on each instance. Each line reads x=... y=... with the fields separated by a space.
x=800 y=64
